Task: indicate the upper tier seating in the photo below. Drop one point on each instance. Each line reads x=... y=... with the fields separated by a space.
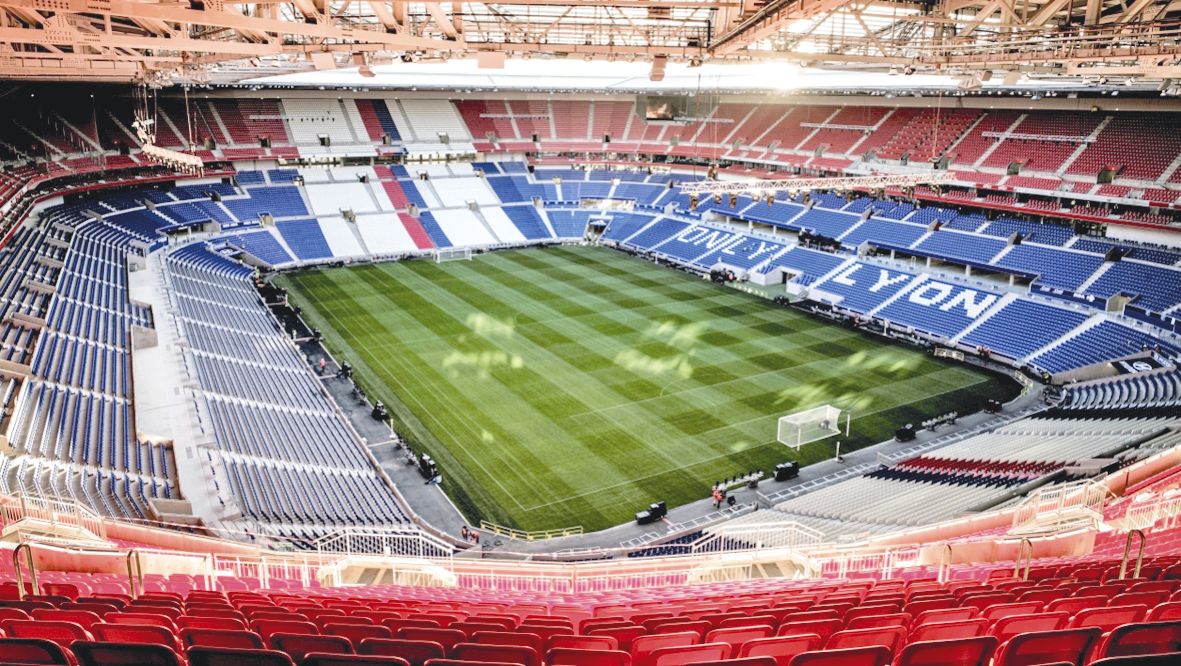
x=73 y=435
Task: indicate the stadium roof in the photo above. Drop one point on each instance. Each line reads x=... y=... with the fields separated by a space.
x=162 y=42
x=577 y=75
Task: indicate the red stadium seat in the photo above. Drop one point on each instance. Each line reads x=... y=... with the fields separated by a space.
x=90 y=653
x=1008 y=627
x=582 y=657
x=1167 y=659
x=1048 y=647
x=888 y=637
x=32 y=651
x=297 y=645
x=1170 y=610
x=643 y=647
x=125 y=617
x=62 y=633
x=228 y=638
x=884 y=620
x=736 y=636
x=136 y=633
x=211 y=656
x=448 y=638
x=822 y=628
x=780 y=648
x=944 y=615
x=582 y=643
x=942 y=631
x=688 y=654
x=201 y=622
x=1109 y=618
x=84 y=619
x=866 y=656
x=318 y=659
x=1143 y=638
x=415 y=652
x=468 y=662
x=267 y=628
x=744 y=661
x=531 y=641
x=512 y=654
x=357 y=632
x=975 y=651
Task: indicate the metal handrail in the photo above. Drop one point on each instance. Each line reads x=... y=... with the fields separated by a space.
x=944 y=571
x=16 y=566
x=135 y=578
x=1022 y=552
x=1123 y=566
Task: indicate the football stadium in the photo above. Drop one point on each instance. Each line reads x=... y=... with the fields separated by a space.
x=590 y=333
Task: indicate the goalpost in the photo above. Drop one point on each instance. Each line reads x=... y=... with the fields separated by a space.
x=812 y=425
x=453 y=254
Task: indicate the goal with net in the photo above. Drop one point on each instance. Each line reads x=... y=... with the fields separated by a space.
x=812 y=425
x=452 y=254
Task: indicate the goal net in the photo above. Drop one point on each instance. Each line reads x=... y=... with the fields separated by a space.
x=452 y=254
x=811 y=425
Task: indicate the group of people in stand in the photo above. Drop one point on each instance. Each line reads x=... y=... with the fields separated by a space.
x=470 y=535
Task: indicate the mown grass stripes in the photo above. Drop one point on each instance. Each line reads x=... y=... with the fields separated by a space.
x=572 y=386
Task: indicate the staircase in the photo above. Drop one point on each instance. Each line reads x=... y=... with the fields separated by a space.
x=422 y=240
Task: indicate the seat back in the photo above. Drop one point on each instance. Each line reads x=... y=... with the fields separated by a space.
x=135 y=633
x=1144 y=638
x=582 y=643
x=887 y=637
x=1167 y=659
x=738 y=635
x=643 y=647
x=320 y=659
x=942 y=631
x=863 y=656
x=582 y=657
x=689 y=654
x=297 y=645
x=1049 y=647
x=511 y=654
x=62 y=633
x=414 y=651
x=1008 y=627
x=214 y=656
x=531 y=641
x=448 y=638
x=228 y=638
x=822 y=628
x=82 y=618
x=1109 y=618
x=973 y=651
x=90 y=653
x=780 y=648
x=32 y=651
x=357 y=632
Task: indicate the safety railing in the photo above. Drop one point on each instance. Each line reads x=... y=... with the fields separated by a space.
x=408 y=541
x=522 y=535
x=1051 y=504
x=54 y=512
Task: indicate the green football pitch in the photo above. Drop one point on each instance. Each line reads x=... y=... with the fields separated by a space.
x=574 y=385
